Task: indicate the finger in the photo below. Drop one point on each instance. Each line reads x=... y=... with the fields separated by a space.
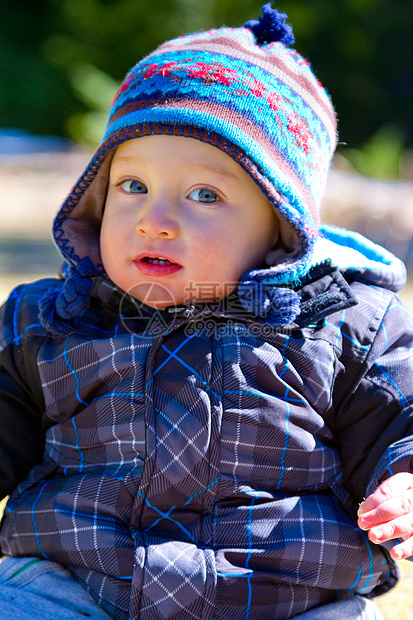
x=396 y=485
x=402 y=550
x=398 y=528
x=387 y=511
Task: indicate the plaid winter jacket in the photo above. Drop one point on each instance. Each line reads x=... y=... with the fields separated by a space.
x=202 y=465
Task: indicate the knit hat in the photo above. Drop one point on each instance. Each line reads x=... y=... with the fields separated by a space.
x=242 y=90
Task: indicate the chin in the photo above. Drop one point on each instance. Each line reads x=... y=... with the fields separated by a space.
x=154 y=294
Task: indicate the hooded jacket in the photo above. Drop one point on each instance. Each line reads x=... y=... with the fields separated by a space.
x=202 y=463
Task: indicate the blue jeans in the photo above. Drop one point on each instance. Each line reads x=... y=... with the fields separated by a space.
x=41 y=590
x=357 y=608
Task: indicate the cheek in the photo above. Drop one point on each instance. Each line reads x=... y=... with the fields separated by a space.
x=108 y=248
x=104 y=240
x=216 y=258
x=208 y=244
x=259 y=236
x=113 y=234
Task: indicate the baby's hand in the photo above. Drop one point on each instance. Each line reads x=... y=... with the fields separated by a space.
x=388 y=513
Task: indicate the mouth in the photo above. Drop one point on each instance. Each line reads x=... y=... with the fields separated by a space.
x=156 y=260
x=156 y=265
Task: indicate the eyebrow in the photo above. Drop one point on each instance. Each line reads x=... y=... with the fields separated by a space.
x=201 y=167
x=215 y=170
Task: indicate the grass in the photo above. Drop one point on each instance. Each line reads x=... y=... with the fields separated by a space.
x=398 y=604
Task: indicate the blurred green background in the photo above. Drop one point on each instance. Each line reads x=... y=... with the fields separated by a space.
x=61 y=60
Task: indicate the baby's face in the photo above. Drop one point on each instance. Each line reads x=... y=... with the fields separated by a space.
x=182 y=221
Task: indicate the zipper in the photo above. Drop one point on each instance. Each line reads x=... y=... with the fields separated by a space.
x=186 y=311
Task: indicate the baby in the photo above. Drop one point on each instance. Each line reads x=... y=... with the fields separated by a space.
x=192 y=416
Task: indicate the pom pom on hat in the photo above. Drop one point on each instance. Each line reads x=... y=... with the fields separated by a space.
x=271 y=27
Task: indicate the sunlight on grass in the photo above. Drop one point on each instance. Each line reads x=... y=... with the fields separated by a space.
x=398 y=604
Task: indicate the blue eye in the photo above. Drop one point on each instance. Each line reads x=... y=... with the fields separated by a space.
x=134 y=187
x=204 y=195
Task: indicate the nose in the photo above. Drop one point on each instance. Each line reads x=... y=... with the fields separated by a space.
x=157 y=220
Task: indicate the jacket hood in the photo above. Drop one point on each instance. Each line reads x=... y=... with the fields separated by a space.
x=359 y=257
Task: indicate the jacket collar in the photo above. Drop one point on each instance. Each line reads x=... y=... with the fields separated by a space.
x=324 y=290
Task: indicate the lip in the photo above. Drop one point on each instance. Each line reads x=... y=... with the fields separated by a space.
x=149 y=269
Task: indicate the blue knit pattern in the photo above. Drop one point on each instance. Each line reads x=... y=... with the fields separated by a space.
x=258 y=111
